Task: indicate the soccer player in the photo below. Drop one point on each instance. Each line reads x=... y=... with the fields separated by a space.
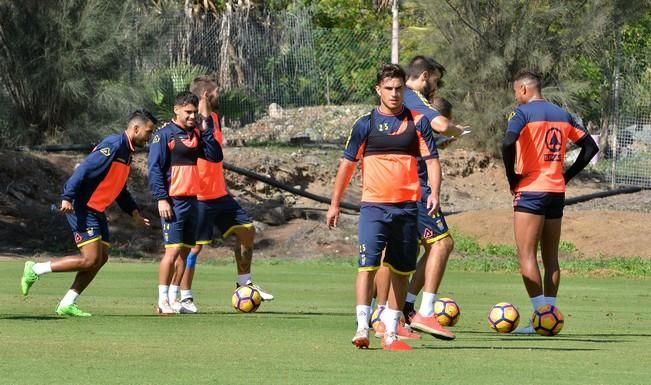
x=216 y=206
x=174 y=183
x=424 y=77
x=536 y=139
x=98 y=181
x=388 y=140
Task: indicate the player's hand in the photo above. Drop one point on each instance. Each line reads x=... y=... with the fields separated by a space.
x=165 y=209
x=333 y=216
x=140 y=219
x=66 y=207
x=456 y=130
x=443 y=144
x=433 y=205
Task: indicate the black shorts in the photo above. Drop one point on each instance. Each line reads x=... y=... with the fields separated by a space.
x=549 y=204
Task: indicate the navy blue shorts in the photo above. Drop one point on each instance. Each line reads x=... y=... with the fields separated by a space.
x=431 y=228
x=549 y=204
x=181 y=230
x=225 y=213
x=88 y=226
x=390 y=226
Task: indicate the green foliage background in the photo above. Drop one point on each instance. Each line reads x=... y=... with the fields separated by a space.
x=67 y=65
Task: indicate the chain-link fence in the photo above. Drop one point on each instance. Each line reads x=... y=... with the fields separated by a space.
x=280 y=59
x=630 y=146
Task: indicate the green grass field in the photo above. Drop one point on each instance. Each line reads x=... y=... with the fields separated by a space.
x=304 y=336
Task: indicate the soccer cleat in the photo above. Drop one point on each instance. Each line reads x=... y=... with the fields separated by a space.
x=71 y=310
x=404 y=332
x=395 y=345
x=360 y=340
x=164 y=308
x=266 y=296
x=432 y=326
x=525 y=330
x=188 y=306
x=28 y=278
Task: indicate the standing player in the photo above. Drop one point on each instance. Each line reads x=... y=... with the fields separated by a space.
x=424 y=77
x=98 y=181
x=216 y=206
x=174 y=183
x=536 y=141
x=388 y=140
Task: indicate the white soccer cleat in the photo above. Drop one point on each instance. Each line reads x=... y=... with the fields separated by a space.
x=360 y=340
x=525 y=330
x=266 y=296
x=164 y=308
x=188 y=307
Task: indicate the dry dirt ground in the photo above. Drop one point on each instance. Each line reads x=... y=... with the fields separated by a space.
x=474 y=194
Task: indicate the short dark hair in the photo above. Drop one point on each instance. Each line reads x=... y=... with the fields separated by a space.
x=390 y=71
x=419 y=64
x=531 y=76
x=186 y=97
x=442 y=105
x=202 y=84
x=142 y=115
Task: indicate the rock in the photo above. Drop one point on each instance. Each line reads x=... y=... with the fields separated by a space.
x=275 y=111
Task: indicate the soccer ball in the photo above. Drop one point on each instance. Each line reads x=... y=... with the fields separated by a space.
x=547 y=320
x=375 y=317
x=246 y=299
x=503 y=317
x=447 y=311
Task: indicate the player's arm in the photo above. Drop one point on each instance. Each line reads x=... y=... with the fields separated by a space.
x=95 y=164
x=344 y=175
x=212 y=148
x=157 y=164
x=429 y=153
x=444 y=126
x=355 y=146
x=589 y=149
x=516 y=124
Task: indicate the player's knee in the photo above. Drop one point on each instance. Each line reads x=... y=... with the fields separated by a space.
x=448 y=243
x=90 y=263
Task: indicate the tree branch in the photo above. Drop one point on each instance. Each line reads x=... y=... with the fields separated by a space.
x=467 y=24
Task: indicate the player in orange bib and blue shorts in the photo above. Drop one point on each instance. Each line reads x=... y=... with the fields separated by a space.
x=536 y=141
x=388 y=140
x=99 y=181
x=174 y=182
x=215 y=206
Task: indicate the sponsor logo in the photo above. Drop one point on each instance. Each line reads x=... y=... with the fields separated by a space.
x=511 y=115
x=554 y=143
x=78 y=237
x=90 y=232
x=156 y=139
x=427 y=233
x=105 y=151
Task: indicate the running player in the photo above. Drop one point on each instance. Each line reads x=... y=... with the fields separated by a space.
x=216 y=206
x=174 y=183
x=388 y=140
x=98 y=181
x=536 y=141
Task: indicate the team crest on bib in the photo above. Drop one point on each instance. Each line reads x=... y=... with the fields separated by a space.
x=105 y=151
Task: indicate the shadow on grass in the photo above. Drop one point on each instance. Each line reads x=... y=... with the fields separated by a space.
x=276 y=314
x=505 y=348
x=24 y=317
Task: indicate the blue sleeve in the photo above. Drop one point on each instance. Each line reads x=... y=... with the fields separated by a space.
x=418 y=103
x=98 y=162
x=158 y=164
x=357 y=139
x=517 y=121
x=212 y=148
x=126 y=201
